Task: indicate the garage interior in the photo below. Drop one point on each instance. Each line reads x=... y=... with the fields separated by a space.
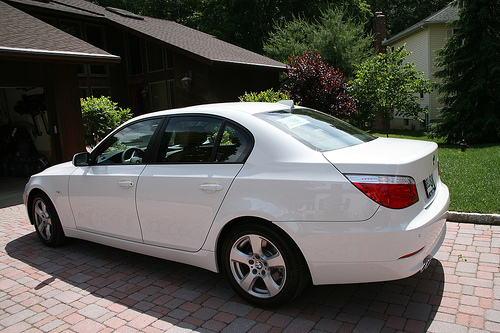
x=25 y=136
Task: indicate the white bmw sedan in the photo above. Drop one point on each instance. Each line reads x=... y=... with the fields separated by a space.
x=271 y=195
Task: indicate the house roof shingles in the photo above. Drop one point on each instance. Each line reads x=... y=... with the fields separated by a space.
x=197 y=43
x=447 y=14
x=23 y=36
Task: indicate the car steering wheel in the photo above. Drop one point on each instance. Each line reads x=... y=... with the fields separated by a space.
x=136 y=155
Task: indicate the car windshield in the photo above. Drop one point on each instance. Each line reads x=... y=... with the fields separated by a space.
x=317 y=130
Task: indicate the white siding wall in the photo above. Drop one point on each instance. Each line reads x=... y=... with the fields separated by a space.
x=437 y=39
x=417 y=44
x=423 y=43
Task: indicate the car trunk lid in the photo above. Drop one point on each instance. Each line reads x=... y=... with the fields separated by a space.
x=384 y=156
x=391 y=157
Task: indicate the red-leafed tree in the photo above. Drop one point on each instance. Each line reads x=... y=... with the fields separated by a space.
x=316 y=85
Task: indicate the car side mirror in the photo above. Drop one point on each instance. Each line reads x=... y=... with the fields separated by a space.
x=81 y=159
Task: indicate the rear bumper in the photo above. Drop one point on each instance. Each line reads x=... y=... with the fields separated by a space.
x=370 y=251
x=358 y=272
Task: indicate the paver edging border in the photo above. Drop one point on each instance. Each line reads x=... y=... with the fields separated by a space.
x=489 y=219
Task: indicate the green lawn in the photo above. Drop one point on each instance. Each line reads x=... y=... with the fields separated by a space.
x=473 y=176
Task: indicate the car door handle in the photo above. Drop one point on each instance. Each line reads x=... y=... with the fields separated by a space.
x=126 y=183
x=210 y=188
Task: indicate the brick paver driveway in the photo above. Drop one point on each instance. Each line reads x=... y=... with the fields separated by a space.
x=85 y=287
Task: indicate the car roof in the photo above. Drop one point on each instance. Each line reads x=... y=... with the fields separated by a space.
x=224 y=108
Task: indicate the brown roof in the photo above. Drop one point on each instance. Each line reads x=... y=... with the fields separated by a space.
x=172 y=34
x=23 y=36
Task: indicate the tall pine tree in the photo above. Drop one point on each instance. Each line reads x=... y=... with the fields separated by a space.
x=470 y=74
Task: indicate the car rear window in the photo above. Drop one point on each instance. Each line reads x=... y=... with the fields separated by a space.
x=317 y=130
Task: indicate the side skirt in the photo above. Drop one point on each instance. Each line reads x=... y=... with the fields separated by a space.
x=202 y=259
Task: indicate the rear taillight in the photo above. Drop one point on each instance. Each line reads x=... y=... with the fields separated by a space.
x=390 y=191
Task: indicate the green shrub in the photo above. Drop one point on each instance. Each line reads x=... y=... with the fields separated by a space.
x=100 y=117
x=265 y=96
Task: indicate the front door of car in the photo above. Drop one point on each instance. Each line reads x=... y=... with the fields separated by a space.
x=102 y=195
x=179 y=195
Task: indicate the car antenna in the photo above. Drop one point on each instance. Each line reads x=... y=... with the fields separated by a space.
x=288 y=103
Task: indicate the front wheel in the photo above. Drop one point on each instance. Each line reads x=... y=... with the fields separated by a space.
x=44 y=217
x=263 y=266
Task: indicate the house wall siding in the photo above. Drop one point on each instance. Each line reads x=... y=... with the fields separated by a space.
x=423 y=43
x=417 y=44
x=437 y=40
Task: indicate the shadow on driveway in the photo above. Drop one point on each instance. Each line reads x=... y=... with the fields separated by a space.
x=11 y=191
x=174 y=294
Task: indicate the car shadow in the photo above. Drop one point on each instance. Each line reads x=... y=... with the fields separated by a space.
x=159 y=287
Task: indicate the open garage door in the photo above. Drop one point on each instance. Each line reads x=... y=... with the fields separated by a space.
x=26 y=141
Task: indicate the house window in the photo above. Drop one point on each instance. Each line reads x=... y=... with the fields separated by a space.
x=155 y=57
x=101 y=91
x=451 y=32
x=158 y=93
x=72 y=28
x=421 y=95
x=135 y=55
x=162 y=95
x=98 y=70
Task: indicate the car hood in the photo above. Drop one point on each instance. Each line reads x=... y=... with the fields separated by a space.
x=387 y=156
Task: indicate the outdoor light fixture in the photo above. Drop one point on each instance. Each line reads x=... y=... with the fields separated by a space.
x=186 y=81
x=144 y=92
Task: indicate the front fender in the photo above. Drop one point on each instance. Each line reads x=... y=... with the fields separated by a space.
x=54 y=183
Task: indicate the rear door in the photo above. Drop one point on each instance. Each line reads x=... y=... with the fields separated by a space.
x=179 y=195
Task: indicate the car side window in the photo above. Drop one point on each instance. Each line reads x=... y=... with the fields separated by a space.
x=235 y=145
x=189 y=139
x=202 y=139
x=129 y=145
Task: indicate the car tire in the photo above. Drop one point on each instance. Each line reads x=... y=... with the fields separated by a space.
x=263 y=265
x=44 y=217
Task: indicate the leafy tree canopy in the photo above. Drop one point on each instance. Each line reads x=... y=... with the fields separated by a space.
x=241 y=22
x=249 y=23
x=386 y=86
x=470 y=74
x=341 y=41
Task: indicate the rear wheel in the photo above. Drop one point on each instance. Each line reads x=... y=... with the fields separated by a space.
x=263 y=266
x=44 y=217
